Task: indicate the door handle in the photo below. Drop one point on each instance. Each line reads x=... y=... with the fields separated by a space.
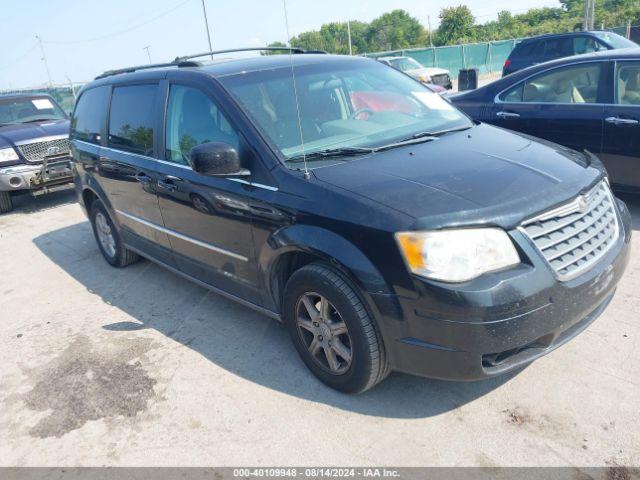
x=168 y=183
x=171 y=178
x=621 y=121
x=143 y=178
x=507 y=115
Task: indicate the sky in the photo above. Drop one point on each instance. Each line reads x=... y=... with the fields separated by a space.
x=83 y=38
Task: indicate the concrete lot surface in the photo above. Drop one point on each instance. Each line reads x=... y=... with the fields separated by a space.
x=100 y=366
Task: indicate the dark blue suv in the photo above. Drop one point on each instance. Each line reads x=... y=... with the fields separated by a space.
x=384 y=228
x=544 y=48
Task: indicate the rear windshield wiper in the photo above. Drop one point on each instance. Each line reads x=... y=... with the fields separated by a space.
x=332 y=153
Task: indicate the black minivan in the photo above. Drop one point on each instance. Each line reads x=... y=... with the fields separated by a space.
x=382 y=226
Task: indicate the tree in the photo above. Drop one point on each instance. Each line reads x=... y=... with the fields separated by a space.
x=396 y=30
x=273 y=45
x=456 y=26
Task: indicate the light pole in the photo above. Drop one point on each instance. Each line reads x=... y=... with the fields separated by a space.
x=349 y=34
x=206 y=24
x=148 y=54
x=44 y=59
x=589 y=14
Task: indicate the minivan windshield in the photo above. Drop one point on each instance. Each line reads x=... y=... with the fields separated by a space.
x=356 y=104
x=615 y=40
x=405 y=63
x=28 y=109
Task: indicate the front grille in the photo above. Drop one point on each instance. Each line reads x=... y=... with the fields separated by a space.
x=37 y=151
x=442 y=79
x=572 y=238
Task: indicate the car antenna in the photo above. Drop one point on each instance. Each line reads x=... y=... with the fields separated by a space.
x=307 y=176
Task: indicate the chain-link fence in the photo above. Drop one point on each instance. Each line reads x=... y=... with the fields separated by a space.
x=487 y=57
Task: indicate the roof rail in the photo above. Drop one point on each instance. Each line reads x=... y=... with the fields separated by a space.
x=250 y=49
x=187 y=62
x=175 y=63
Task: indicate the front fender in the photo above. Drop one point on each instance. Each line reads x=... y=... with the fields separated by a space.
x=327 y=245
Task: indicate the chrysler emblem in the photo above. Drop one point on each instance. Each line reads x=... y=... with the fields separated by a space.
x=583 y=206
x=53 y=150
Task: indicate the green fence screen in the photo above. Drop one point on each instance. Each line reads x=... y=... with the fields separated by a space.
x=488 y=57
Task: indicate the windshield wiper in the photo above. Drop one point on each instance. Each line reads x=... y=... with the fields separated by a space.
x=420 y=137
x=332 y=153
x=38 y=120
x=412 y=140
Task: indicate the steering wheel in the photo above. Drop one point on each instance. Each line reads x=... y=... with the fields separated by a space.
x=360 y=111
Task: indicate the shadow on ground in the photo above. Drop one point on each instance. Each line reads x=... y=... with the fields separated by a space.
x=26 y=203
x=235 y=338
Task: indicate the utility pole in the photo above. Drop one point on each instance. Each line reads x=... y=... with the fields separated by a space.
x=430 y=36
x=148 y=54
x=349 y=34
x=44 y=59
x=206 y=24
x=73 y=91
x=589 y=14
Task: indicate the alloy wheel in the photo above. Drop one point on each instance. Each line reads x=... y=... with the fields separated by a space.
x=324 y=333
x=105 y=235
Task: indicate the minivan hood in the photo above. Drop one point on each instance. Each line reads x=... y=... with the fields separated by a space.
x=484 y=175
x=22 y=132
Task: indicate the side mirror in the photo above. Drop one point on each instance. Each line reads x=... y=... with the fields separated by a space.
x=217 y=159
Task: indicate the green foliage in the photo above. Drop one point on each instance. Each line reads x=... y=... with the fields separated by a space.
x=398 y=30
x=457 y=25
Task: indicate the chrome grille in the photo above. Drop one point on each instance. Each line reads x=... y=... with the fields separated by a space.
x=37 y=151
x=442 y=79
x=573 y=237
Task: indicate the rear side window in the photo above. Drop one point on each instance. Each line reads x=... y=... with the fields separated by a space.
x=132 y=118
x=525 y=49
x=575 y=84
x=88 y=118
x=628 y=84
x=558 y=48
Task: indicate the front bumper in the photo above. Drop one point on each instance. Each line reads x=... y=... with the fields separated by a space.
x=40 y=178
x=501 y=321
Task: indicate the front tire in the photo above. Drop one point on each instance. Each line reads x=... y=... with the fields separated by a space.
x=108 y=238
x=332 y=330
x=6 y=202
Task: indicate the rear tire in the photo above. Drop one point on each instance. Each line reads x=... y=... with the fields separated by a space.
x=332 y=330
x=6 y=202
x=108 y=238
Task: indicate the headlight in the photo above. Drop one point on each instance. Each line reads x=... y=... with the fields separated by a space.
x=457 y=255
x=8 y=155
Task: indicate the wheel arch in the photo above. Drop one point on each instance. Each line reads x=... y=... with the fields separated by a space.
x=293 y=247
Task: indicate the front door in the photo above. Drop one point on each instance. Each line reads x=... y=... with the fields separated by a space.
x=209 y=218
x=563 y=105
x=621 y=150
x=127 y=169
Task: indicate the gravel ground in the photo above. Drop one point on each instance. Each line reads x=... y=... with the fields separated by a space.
x=100 y=366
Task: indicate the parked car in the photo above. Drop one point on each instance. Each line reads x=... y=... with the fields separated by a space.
x=535 y=50
x=429 y=75
x=404 y=237
x=34 y=147
x=587 y=102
